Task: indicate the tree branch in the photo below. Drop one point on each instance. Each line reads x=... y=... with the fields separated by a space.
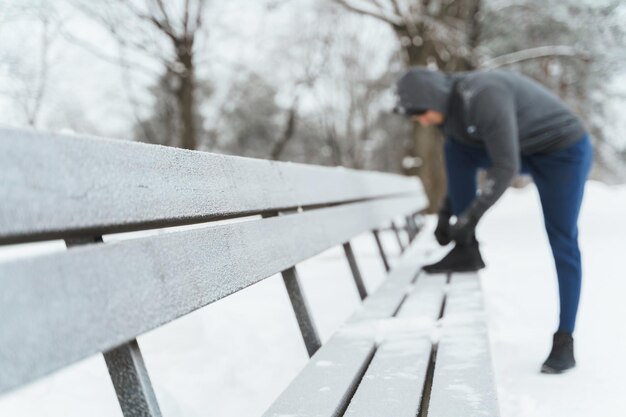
x=163 y=10
x=408 y=18
x=380 y=14
x=162 y=26
x=535 y=53
x=137 y=66
x=199 y=12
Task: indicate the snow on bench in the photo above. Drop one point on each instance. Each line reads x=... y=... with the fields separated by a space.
x=387 y=359
x=463 y=375
x=98 y=297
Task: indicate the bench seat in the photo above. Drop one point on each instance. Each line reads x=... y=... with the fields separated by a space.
x=463 y=377
x=419 y=342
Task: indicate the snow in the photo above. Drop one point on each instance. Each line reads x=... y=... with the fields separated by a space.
x=235 y=356
x=520 y=293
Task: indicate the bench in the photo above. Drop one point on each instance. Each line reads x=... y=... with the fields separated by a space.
x=98 y=297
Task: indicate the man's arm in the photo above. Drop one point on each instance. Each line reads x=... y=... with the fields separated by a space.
x=493 y=115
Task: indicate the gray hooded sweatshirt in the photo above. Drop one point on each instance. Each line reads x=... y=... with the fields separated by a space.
x=504 y=112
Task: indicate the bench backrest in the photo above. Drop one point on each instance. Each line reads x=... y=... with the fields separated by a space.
x=59 y=308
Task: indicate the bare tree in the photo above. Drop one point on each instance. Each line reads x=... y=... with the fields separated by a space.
x=166 y=32
x=352 y=99
x=334 y=70
x=310 y=40
x=31 y=76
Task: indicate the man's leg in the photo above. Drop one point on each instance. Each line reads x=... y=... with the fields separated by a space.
x=462 y=163
x=560 y=178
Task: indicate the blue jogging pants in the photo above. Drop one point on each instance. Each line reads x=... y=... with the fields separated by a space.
x=560 y=178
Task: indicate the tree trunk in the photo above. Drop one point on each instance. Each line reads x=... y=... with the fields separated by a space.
x=290 y=128
x=430 y=167
x=185 y=96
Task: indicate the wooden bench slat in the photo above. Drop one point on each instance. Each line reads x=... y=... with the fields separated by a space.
x=394 y=381
x=326 y=384
x=463 y=382
x=111 y=293
x=426 y=298
x=56 y=186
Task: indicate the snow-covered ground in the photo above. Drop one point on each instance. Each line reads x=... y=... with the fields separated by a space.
x=520 y=291
x=233 y=357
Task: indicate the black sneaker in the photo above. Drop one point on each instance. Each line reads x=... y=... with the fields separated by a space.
x=562 y=355
x=462 y=258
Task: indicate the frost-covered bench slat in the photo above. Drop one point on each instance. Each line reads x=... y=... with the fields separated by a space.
x=393 y=383
x=58 y=186
x=463 y=381
x=114 y=292
x=426 y=298
x=329 y=379
x=395 y=380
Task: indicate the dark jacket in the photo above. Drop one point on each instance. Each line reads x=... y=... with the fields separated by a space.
x=505 y=112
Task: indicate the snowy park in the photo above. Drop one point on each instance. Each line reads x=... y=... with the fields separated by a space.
x=281 y=208
x=249 y=343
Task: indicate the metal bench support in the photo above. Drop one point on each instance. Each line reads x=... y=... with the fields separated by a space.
x=381 y=250
x=398 y=238
x=356 y=273
x=411 y=227
x=127 y=369
x=301 y=309
x=131 y=381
